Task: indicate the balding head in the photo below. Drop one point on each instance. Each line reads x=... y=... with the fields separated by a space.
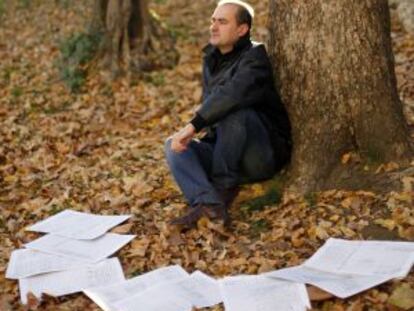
x=245 y=12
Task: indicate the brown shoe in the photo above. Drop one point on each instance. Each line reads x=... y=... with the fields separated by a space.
x=218 y=212
x=213 y=212
x=190 y=219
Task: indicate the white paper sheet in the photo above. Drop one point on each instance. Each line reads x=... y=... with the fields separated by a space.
x=78 y=225
x=154 y=301
x=345 y=268
x=72 y=281
x=196 y=290
x=259 y=293
x=340 y=285
x=106 y=296
x=200 y=289
x=86 y=250
x=26 y=262
x=364 y=257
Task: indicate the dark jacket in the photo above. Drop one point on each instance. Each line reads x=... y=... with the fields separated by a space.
x=241 y=79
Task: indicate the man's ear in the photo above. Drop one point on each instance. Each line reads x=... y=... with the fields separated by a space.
x=243 y=29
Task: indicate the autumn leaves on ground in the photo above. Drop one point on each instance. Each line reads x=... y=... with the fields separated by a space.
x=100 y=150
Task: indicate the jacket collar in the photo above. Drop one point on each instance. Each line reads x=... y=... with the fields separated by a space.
x=210 y=50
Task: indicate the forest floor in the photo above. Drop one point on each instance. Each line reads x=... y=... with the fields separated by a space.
x=101 y=151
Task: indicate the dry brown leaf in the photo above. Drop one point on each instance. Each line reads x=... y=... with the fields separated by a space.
x=403 y=297
x=174 y=238
x=138 y=248
x=345 y=158
x=123 y=229
x=317 y=294
x=32 y=302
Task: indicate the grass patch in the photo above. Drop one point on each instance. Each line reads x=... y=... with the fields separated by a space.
x=311 y=198
x=372 y=156
x=63 y=3
x=7 y=73
x=24 y=4
x=156 y=78
x=56 y=109
x=54 y=209
x=271 y=197
x=2 y=8
x=76 y=52
x=17 y=91
x=259 y=226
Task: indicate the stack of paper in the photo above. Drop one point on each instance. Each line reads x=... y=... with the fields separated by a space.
x=71 y=257
x=345 y=268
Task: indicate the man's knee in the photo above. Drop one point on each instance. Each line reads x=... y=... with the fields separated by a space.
x=169 y=153
x=167 y=144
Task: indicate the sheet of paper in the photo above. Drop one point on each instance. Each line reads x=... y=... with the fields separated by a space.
x=153 y=300
x=78 y=225
x=364 y=257
x=86 y=250
x=259 y=293
x=340 y=285
x=72 y=281
x=26 y=262
x=200 y=289
x=107 y=296
x=196 y=290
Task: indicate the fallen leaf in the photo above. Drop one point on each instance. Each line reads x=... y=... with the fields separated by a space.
x=123 y=229
x=403 y=297
x=138 y=248
x=317 y=294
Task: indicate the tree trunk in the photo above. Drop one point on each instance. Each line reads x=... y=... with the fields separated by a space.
x=334 y=68
x=133 y=38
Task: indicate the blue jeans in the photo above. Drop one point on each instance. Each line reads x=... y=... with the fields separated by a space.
x=240 y=153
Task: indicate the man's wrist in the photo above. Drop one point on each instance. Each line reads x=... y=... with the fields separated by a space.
x=190 y=128
x=198 y=122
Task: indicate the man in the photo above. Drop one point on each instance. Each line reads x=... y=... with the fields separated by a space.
x=247 y=129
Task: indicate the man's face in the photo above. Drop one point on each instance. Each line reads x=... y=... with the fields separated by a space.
x=224 y=30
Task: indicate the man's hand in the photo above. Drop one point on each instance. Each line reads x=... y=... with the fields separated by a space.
x=181 y=139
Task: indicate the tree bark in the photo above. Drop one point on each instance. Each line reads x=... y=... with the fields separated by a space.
x=133 y=38
x=334 y=68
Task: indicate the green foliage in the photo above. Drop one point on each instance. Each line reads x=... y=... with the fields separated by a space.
x=311 y=198
x=372 y=156
x=2 y=8
x=24 y=4
x=403 y=297
x=55 y=209
x=16 y=91
x=272 y=196
x=56 y=108
x=6 y=74
x=64 y=3
x=180 y=32
x=156 y=78
x=74 y=77
x=76 y=52
x=259 y=226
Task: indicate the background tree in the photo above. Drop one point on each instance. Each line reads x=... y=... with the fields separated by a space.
x=134 y=39
x=334 y=68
